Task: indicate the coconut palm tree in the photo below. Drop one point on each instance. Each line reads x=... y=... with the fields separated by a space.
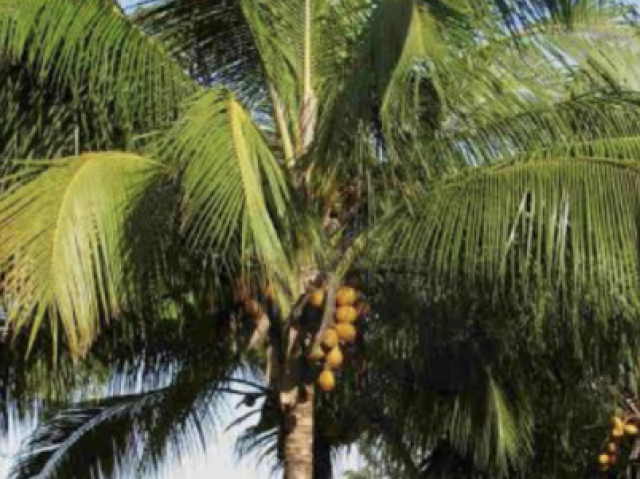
x=265 y=150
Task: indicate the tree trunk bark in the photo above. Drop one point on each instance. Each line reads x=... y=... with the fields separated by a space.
x=297 y=397
x=298 y=446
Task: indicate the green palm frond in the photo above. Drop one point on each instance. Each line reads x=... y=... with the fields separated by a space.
x=442 y=73
x=505 y=434
x=75 y=43
x=599 y=125
x=554 y=236
x=396 y=87
x=64 y=254
x=379 y=50
x=535 y=12
x=235 y=194
x=600 y=56
x=45 y=128
x=212 y=39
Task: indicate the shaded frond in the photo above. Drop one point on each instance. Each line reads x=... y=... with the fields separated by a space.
x=87 y=44
x=53 y=120
x=146 y=415
x=120 y=434
x=461 y=389
x=47 y=452
x=245 y=45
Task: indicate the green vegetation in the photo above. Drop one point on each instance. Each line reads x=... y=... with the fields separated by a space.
x=185 y=190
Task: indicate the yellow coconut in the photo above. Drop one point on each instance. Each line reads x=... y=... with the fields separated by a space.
x=346 y=314
x=327 y=381
x=612 y=448
x=347 y=296
x=335 y=358
x=616 y=422
x=604 y=459
x=316 y=353
x=317 y=298
x=346 y=332
x=617 y=432
x=330 y=338
x=631 y=430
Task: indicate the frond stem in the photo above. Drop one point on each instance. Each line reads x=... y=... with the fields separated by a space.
x=281 y=124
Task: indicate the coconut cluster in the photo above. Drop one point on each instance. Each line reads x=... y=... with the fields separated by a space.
x=622 y=429
x=330 y=350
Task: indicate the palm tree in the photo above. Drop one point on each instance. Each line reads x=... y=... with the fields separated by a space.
x=291 y=143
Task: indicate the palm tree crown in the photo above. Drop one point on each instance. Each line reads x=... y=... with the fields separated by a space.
x=481 y=157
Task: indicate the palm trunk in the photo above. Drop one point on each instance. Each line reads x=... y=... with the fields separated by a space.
x=297 y=400
x=298 y=445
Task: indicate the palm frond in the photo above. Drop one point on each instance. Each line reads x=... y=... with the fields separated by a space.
x=599 y=125
x=51 y=120
x=88 y=44
x=235 y=194
x=541 y=235
x=505 y=433
x=427 y=71
x=141 y=351
x=63 y=254
x=120 y=434
x=397 y=85
x=212 y=39
x=463 y=389
x=244 y=45
x=48 y=449
x=543 y=12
